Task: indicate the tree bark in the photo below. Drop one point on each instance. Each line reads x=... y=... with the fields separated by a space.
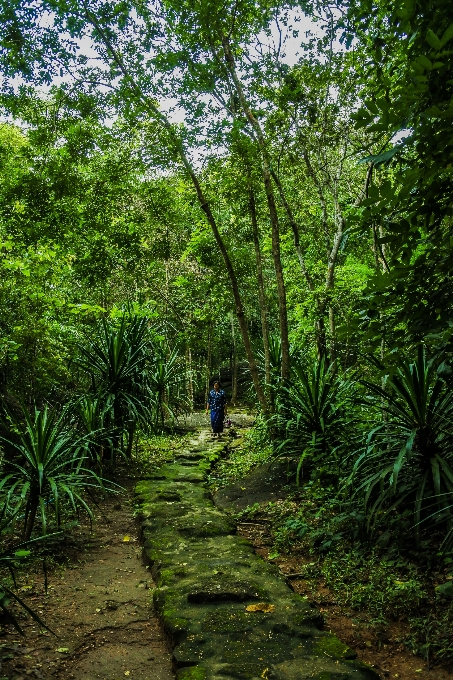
x=261 y=290
x=208 y=366
x=275 y=228
x=234 y=372
x=295 y=230
x=189 y=377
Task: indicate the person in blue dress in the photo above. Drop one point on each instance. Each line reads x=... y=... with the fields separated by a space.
x=217 y=404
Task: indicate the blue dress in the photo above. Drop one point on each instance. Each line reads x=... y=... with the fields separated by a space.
x=217 y=401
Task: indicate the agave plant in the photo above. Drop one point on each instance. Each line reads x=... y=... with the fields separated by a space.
x=408 y=458
x=92 y=414
x=117 y=363
x=313 y=411
x=167 y=377
x=48 y=467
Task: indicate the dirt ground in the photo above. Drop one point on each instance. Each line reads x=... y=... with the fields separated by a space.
x=98 y=604
x=379 y=648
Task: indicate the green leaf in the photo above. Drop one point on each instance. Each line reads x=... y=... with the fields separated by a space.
x=445 y=589
x=381 y=158
x=424 y=62
x=433 y=40
x=447 y=36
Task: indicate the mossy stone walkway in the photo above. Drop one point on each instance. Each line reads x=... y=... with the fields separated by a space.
x=208 y=580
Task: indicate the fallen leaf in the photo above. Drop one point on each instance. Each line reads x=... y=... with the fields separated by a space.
x=97 y=611
x=63 y=650
x=261 y=607
x=127 y=672
x=126 y=539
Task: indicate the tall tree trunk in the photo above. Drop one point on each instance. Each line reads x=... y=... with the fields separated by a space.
x=261 y=290
x=234 y=372
x=189 y=376
x=320 y=338
x=208 y=366
x=295 y=230
x=275 y=228
x=178 y=147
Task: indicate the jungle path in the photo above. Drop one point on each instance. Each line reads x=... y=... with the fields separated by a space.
x=99 y=603
x=228 y=613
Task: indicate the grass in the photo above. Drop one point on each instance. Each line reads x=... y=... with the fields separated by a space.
x=155 y=450
x=243 y=457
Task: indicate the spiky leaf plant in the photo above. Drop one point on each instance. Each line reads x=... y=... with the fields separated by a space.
x=48 y=468
x=117 y=363
x=407 y=462
x=167 y=378
x=312 y=409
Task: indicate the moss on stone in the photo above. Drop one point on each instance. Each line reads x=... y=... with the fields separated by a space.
x=333 y=647
x=169 y=496
x=166 y=577
x=222 y=588
x=226 y=621
x=250 y=646
x=206 y=576
x=329 y=675
x=201 y=526
x=191 y=673
x=309 y=617
x=246 y=671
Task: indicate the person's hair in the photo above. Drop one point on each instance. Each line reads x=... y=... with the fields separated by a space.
x=216 y=382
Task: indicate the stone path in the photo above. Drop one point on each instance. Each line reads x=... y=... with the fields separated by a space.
x=228 y=613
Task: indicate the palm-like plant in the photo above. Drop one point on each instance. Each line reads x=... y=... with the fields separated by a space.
x=166 y=377
x=408 y=457
x=313 y=411
x=48 y=467
x=91 y=414
x=118 y=366
x=11 y=556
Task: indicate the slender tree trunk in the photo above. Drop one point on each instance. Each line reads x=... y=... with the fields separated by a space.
x=234 y=372
x=189 y=376
x=208 y=366
x=178 y=147
x=320 y=335
x=33 y=507
x=261 y=290
x=295 y=230
x=275 y=228
x=130 y=438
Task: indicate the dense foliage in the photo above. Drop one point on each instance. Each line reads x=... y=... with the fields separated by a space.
x=256 y=191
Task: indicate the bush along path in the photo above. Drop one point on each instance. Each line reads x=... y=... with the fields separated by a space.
x=228 y=613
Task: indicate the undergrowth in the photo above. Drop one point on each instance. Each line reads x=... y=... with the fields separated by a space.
x=388 y=581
